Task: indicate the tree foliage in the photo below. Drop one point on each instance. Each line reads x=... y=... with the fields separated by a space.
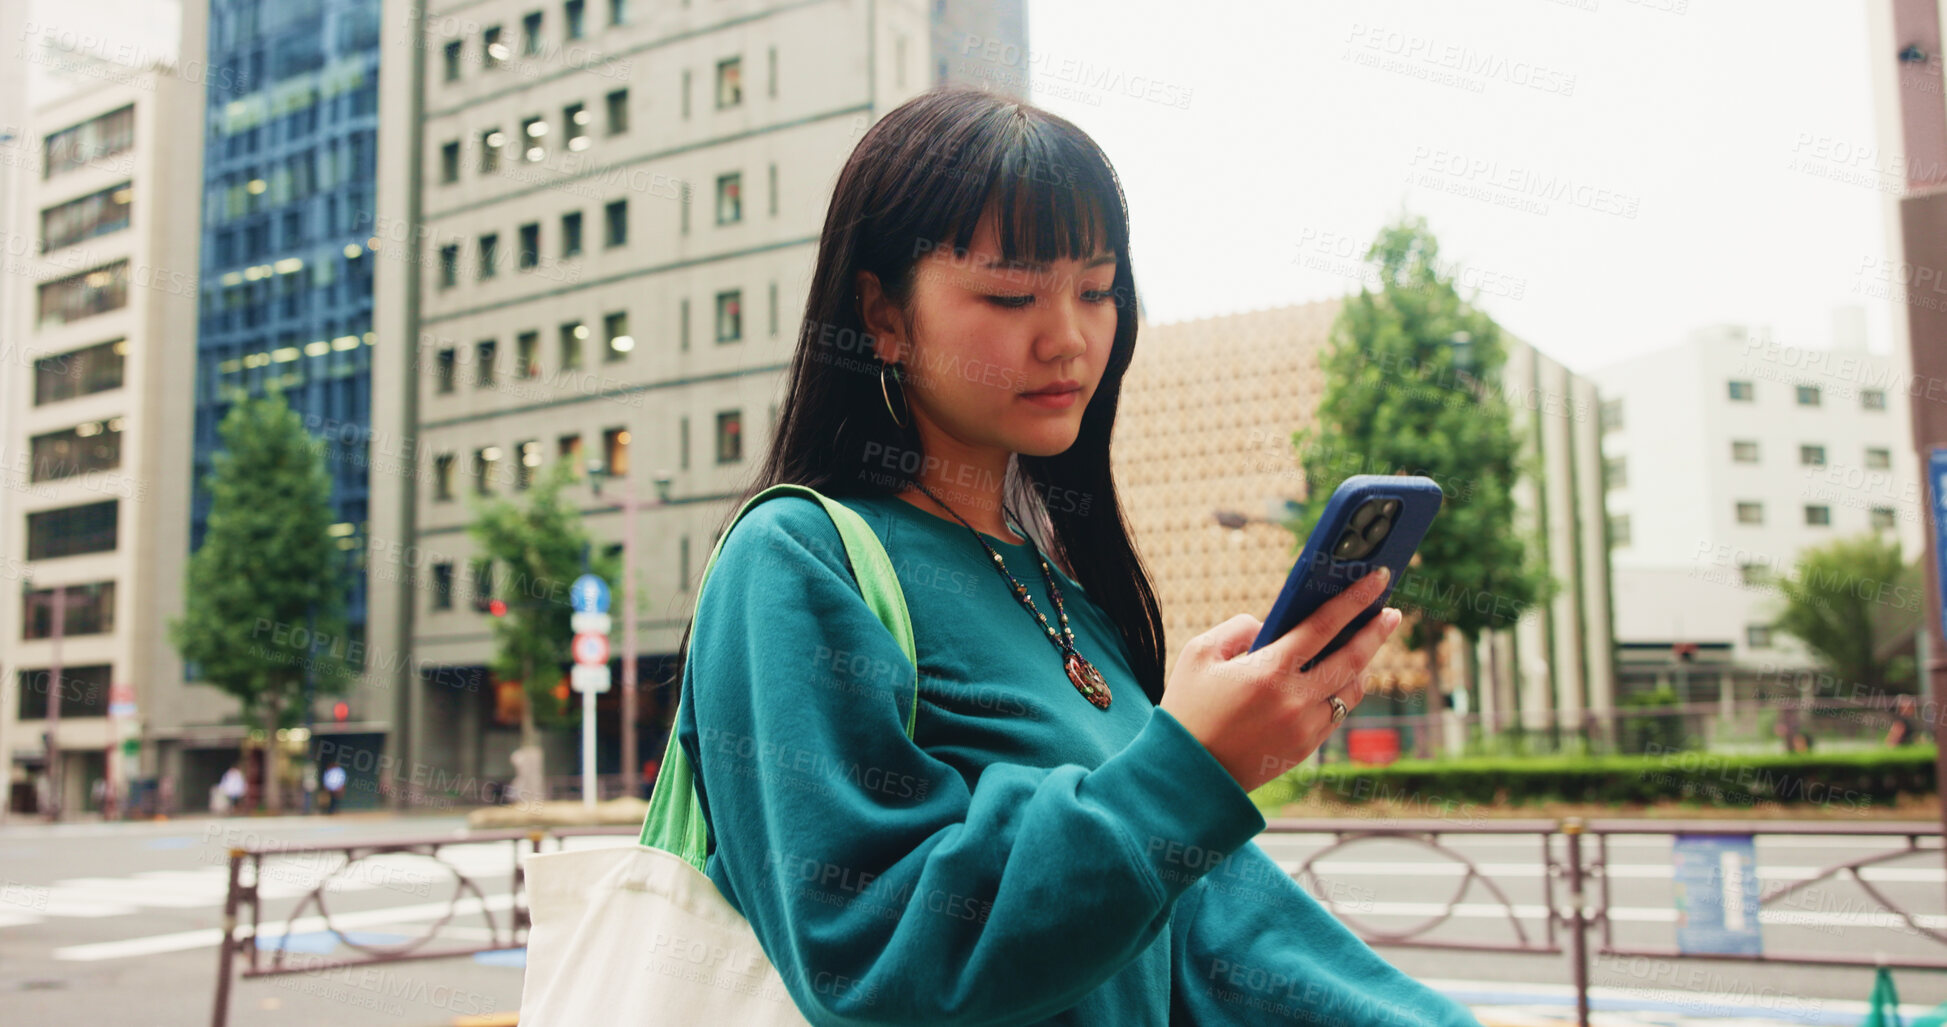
x=1412 y=386
x=264 y=595
x=535 y=545
x=1855 y=603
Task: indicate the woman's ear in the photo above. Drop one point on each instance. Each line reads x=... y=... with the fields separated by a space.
x=881 y=318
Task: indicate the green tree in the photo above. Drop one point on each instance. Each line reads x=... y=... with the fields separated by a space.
x=536 y=550
x=1855 y=603
x=264 y=595
x=1412 y=387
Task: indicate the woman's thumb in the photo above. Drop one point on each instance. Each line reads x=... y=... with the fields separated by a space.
x=1233 y=636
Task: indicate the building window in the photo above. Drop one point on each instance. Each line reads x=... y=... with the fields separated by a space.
x=615 y=218
x=1818 y=515
x=83 y=691
x=530 y=257
x=683 y=324
x=531 y=34
x=683 y=564
x=79 y=372
x=1750 y=513
x=527 y=350
x=571 y=335
x=730 y=436
x=618 y=12
x=92 y=292
x=1741 y=391
x=532 y=129
x=568 y=447
x=527 y=456
x=683 y=207
x=489 y=254
x=730 y=198
x=1753 y=575
x=1618 y=530
x=574 y=126
x=730 y=82
x=1615 y=472
x=453 y=50
x=1808 y=395
x=615 y=451
x=90 y=611
x=72 y=531
x=1744 y=452
x=730 y=317
x=483 y=579
x=93 y=215
x=448 y=369
x=1872 y=399
x=1811 y=456
x=773 y=312
x=443 y=477
x=618 y=112
x=1757 y=636
x=772 y=189
x=87 y=143
x=770 y=78
x=615 y=328
x=449 y=163
x=571 y=234
x=1883 y=518
x=442 y=586
x=486 y=469
x=574 y=12
x=449 y=266
x=484 y=352
x=686 y=94
x=84 y=448
x=1612 y=414
x=1878 y=458
x=490 y=143
x=492 y=51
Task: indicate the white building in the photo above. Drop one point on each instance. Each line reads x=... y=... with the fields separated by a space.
x=1730 y=454
x=99 y=340
x=597 y=223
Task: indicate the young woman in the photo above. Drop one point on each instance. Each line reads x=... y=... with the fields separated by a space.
x=1061 y=839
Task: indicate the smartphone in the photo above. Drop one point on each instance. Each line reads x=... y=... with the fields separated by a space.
x=1373 y=520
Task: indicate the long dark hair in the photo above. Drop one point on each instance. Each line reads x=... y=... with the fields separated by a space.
x=921 y=176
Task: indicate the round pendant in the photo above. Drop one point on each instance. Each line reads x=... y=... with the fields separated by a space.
x=1087 y=679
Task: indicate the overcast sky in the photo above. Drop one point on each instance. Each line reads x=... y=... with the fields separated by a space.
x=1310 y=123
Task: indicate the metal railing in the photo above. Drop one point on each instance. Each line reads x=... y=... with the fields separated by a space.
x=1575 y=892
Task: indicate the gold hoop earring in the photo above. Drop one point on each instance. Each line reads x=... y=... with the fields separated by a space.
x=883 y=391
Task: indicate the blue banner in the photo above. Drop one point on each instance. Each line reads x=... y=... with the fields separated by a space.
x=1937 y=481
x=1716 y=894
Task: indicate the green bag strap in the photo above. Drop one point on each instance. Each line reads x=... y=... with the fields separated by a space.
x=675 y=821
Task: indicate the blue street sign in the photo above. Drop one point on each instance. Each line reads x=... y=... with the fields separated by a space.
x=1717 y=894
x=589 y=594
x=1937 y=477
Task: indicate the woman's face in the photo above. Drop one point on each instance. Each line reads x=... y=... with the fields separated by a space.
x=987 y=340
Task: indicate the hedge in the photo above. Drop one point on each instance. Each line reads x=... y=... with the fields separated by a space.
x=1837 y=782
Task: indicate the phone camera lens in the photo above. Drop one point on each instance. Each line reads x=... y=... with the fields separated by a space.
x=1364 y=515
x=1349 y=543
x=1377 y=530
x=1390 y=508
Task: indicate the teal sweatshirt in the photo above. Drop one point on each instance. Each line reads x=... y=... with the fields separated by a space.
x=1025 y=858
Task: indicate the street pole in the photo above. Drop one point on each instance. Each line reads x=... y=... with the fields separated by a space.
x=631 y=772
x=587 y=726
x=307 y=775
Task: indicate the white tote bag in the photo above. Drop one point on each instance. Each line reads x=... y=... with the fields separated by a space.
x=639 y=935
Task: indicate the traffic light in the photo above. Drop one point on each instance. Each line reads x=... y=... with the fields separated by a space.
x=494 y=607
x=341 y=711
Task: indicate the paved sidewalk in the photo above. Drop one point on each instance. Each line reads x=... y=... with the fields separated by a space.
x=1519 y=1005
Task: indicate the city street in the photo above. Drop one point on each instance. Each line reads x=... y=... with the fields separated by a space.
x=119 y=921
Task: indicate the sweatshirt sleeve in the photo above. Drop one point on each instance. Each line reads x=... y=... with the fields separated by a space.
x=1250 y=945
x=884 y=885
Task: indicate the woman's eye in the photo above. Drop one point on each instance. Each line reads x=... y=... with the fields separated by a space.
x=1097 y=295
x=1011 y=301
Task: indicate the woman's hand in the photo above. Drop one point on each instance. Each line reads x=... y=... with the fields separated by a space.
x=1255 y=712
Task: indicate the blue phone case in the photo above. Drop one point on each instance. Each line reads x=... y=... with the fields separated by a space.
x=1317 y=576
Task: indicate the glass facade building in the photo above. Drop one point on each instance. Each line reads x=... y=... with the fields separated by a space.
x=289 y=183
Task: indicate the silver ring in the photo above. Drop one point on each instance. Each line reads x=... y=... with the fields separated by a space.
x=1339 y=709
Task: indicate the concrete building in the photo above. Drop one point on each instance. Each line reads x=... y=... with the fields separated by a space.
x=596 y=223
x=1727 y=456
x=99 y=333
x=1208 y=411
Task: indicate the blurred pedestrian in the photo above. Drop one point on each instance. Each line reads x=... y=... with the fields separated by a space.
x=334 y=786
x=234 y=788
x=1905 y=729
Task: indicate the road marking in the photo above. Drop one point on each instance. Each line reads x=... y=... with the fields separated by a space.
x=184 y=940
